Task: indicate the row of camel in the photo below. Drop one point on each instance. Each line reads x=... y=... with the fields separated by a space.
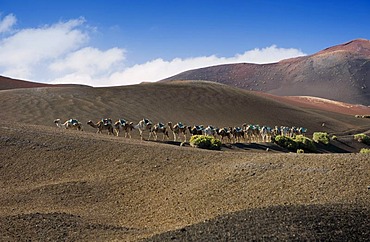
x=247 y=132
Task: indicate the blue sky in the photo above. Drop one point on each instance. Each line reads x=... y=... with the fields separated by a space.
x=114 y=42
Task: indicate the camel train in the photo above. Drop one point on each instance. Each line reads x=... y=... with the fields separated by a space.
x=246 y=133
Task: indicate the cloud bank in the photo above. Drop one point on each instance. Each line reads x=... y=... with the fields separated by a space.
x=60 y=53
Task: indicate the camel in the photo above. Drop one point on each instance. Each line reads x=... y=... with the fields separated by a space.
x=266 y=133
x=196 y=130
x=252 y=132
x=285 y=131
x=104 y=124
x=294 y=131
x=69 y=124
x=277 y=131
x=224 y=132
x=210 y=131
x=238 y=134
x=302 y=131
x=144 y=124
x=160 y=128
x=123 y=125
x=177 y=129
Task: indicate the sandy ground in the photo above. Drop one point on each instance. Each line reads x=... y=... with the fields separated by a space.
x=65 y=185
x=61 y=185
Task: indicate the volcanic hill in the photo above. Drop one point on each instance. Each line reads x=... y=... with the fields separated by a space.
x=7 y=83
x=67 y=185
x=192 y=103
x=338 y=73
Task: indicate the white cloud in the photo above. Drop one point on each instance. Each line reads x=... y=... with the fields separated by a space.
x=60 y=53
x=27 y=48
x=89 y=60
x=7 y=23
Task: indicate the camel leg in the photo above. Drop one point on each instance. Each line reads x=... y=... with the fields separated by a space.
x=141 y=134
x=166 y=136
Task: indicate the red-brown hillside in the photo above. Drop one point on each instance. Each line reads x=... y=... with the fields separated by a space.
x=7 y=83
x=338 y=73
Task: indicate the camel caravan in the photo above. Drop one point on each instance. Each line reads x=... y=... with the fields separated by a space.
x=247 y=133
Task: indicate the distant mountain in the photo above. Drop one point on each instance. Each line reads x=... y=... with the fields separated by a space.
x=339 y=73
x=7 y=83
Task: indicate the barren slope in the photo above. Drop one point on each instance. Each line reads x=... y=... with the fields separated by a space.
x=64 y=185
x=192 y=103
x=59 y=185
x=7 y=83
x=338 y=73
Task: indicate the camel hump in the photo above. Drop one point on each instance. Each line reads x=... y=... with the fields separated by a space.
x=106 y=121
x=238 y=129
x=122 y=121
x=199 y=127
x=73 y=121
x=147 y=121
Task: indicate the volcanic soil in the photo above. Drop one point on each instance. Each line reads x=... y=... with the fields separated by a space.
x=66 y=185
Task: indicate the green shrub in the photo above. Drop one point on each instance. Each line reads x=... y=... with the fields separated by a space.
x=300 y=151
x=305 y=143
x=205 y=142
x=365 y=151
x=300 y=142
x=363 y=138
x=334 y=137
x=285 y=142
x=321 y=137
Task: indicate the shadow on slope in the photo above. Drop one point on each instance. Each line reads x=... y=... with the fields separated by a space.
x=334 y=222
x=56 y=227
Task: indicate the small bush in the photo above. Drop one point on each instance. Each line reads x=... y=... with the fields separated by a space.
x=363 y=138
x=305 y=143
x=285 y=142
x=334 y=137
x=205 y=142
x=365 y=151
x=321 y=137
x=300 y=151
x=300 y=142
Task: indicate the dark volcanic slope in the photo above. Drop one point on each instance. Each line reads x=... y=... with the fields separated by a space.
x=192 y=103
x=9 y=83
x=281 y=223
x=339 y=73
